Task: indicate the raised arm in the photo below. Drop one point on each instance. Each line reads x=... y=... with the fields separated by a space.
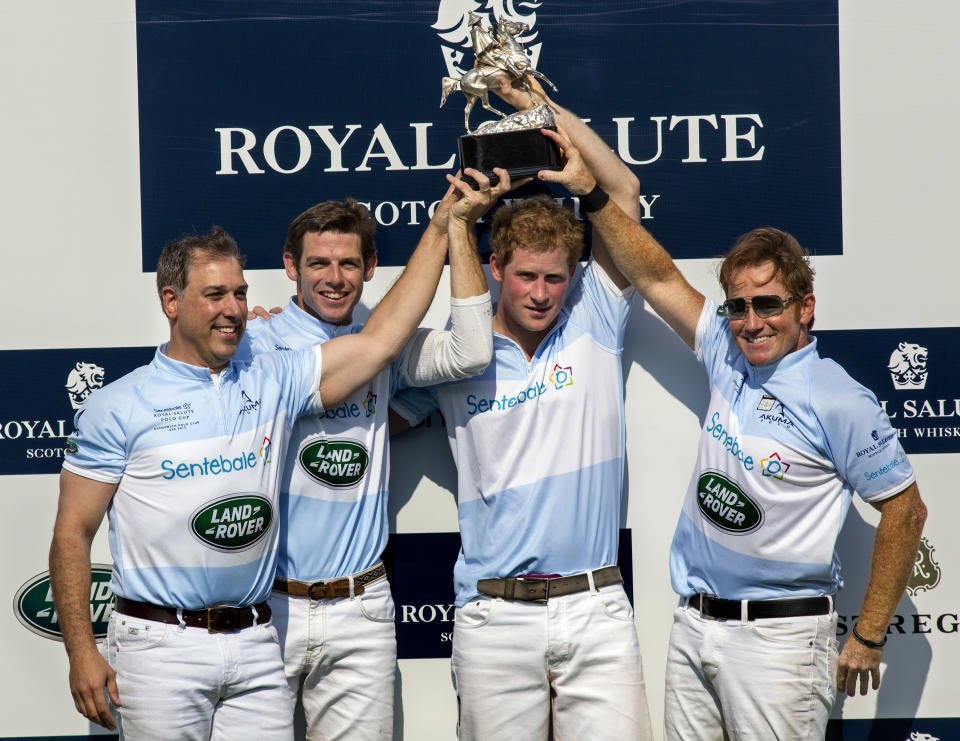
x=637 y=255
x=612 y=174
x=894 y=554
x=351 y=361
x=434 y=356
x=82 y=505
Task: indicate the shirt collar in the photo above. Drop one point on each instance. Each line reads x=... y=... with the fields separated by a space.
x=763 y=373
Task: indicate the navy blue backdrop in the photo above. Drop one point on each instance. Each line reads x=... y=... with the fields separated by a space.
x=252 y=111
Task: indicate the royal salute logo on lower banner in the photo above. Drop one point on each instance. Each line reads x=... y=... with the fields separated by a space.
x=34 y=608
x=45 y=389
x=926 y=570
x=915 y=375
x=83 y=380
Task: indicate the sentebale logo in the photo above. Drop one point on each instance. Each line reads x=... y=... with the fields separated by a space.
x=337 y=463
x=33 y=604
x=723 y=503
x=232 y=523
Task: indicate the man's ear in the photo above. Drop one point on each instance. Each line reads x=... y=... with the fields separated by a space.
x=496 y=269
x=290 y=266
x=369 y=266
x=169 y=302
x=807 y=305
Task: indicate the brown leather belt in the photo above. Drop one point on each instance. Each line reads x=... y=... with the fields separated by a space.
x=715 y=608
x=540 y=589
x=214 y=619
x=332 y=588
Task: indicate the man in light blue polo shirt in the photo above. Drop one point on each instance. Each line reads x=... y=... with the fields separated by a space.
x=788 y=439
x=183 y=456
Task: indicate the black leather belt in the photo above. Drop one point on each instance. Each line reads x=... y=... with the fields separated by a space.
x=332 y=588
x=213 y=619
x=540 y=589
x=716 y=608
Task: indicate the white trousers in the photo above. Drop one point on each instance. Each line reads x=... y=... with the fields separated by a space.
x=766 y=679
x=344 y=652
x=571 y=665
x=187 y=684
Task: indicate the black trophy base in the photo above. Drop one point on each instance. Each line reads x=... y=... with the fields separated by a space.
x=521 y=153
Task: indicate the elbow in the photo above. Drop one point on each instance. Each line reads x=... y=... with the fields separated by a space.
x=476 y=362
x=628 y=192
x=918 y=516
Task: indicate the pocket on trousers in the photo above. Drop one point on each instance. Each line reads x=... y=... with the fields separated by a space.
x=133 y=634
x=474 y=614
x=616 y=604
x=377 y=605
x=800 y=632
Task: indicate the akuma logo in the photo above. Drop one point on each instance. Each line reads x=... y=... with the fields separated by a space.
x=248 y=405
x=370 y=404
x=336 y=463
x=232 y=523
x=561 y=377
x=34 y=608
x=453 y=28
x=908 y=367
x=773 y=465
x=82 y=380
x=926 y=571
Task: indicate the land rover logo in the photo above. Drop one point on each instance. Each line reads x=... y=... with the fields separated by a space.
x=232 y=523
x=338 y=463
x=33 y=604
x=722 y=502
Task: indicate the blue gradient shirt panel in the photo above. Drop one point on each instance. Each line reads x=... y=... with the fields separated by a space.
x=193 y=522
x=781 y=453
x=539 y=444
x=334 y=487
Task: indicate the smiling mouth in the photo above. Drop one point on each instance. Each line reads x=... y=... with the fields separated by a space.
x=230 y=332
x=759 y=340
x=333 y=295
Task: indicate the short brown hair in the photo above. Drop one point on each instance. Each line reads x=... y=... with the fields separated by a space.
x=349 y=217
x=177 y=257
x=791 y=261
x=539 y=224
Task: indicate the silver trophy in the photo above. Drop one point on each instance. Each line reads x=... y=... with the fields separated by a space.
x=513 y=142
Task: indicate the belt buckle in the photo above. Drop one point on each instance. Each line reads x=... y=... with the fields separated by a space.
x=538 y=580
x=317 y=590
x=705 y=595
x=224 y=622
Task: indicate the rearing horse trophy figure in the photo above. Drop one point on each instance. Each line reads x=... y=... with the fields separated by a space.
x=496 y=57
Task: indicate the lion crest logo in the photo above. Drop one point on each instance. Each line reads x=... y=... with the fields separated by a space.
x=908 y=366
x=453 y=28
x=83 y=380
x=926 y=571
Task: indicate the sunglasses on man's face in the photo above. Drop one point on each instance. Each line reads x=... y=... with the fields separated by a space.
x=763 y=306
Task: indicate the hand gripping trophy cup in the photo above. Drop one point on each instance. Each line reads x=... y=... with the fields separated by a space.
x=514 y=142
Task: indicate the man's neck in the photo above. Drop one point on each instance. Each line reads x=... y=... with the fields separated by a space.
x=527 y=340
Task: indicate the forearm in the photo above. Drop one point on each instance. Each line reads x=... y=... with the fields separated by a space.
x=434 y=356
x=400 y=312
x=894 y=554
x=611 y=173
x=70 y=582
x=648 y=267
x=466 y=274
